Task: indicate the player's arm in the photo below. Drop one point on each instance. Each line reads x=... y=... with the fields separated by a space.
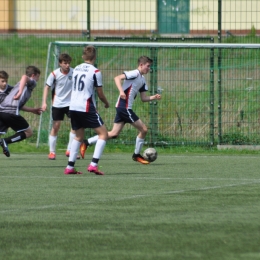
x=36 y=111
x=24 y=80
x=118 y=79
x=102 y=96
x=44 y=98
x=145 y=98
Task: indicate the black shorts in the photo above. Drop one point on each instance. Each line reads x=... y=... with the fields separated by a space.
x=85 y=120
x=16 y=122
x=125 y=115
x=58 y=113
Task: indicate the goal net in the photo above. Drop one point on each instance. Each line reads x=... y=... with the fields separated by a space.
x=210 y=92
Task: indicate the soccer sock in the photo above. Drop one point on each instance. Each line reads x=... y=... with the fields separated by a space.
x=138 y=145
x=92 y=140
x=99 y=148
x=74 y=150
x=52 y=143
x=17 y=137
x=71 y=137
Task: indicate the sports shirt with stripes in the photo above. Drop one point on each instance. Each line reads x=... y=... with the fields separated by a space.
x=85 y=78
x=133 y=83
x=61 y=86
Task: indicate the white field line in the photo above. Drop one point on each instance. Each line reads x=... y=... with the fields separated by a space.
x=137 y=196
x=128 y=177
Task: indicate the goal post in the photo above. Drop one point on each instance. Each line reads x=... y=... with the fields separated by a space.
x=202 y=98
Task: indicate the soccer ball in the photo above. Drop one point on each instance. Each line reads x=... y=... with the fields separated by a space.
x=150 y=154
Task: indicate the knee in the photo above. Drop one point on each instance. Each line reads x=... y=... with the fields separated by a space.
x=28 y=133
x=144 y=130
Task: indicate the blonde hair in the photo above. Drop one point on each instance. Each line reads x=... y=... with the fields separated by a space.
x=89 y=53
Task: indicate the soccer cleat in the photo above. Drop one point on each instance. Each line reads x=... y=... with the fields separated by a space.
x=68 y=154
x=83 y=148
x=71 y=171
x=52 y=156
x=5 y=148
x=95 y=170
x=139 y=158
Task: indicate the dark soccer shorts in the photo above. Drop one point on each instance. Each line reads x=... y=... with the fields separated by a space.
x=16 y=122
x=85 y=120
x=125 y=115
x=58 y=113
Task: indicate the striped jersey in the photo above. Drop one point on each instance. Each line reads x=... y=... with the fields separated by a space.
x=133 y=83
x=61 y=85
x=5 y=92
x=85 y=78
x=11 y=106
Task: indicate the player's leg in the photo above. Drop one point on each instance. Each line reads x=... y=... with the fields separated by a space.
x=75 y=144
x=99 y=148
x=53 y=139
x=141 y=127
x=20 y=126
x=57 y=117
x=72 y=134
x=3 y=130
x=117 y=128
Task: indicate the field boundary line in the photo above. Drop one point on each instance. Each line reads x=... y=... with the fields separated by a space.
x=129 y=177
x=127 y=198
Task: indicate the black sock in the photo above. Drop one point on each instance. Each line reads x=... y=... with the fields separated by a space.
x=17 y=137
x=71 y=163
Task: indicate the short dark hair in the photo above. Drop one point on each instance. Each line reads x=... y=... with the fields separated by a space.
x=4 y=75
x=30 y=70
x=144 y=59
x=65 y=57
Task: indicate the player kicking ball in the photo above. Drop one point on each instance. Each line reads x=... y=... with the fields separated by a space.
x=133 y=83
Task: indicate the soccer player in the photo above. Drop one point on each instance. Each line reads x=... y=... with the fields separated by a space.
x=4 y=87
x=86 y=80
x=15 y=101
x=133 y=82
x=60 y=82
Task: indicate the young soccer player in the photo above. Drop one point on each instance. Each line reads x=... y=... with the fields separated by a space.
x=10 y=106
x=60 y=83
x=133 y=82
x=4 y=87
x=86 y=80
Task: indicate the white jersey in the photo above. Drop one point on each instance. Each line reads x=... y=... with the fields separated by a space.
x=133 y=83
x=61 y=86
x=85 y=78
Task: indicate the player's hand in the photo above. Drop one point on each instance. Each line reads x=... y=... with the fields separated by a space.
x=37 y=111
x=44 y=107
x=107 y=105
x=17 y=96
x=122 y=95
x=157 y=96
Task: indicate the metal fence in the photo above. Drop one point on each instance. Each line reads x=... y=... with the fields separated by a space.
x=210 y=91
x=27 y=27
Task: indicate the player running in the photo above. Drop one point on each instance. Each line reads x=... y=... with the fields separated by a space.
x=133 y=82
x=12 y=104
x=86 y=79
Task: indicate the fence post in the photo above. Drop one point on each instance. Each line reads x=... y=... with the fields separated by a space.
x=153 y=103
x=219 y=73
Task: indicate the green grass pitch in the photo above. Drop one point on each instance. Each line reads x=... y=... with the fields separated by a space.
x=179 y=207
